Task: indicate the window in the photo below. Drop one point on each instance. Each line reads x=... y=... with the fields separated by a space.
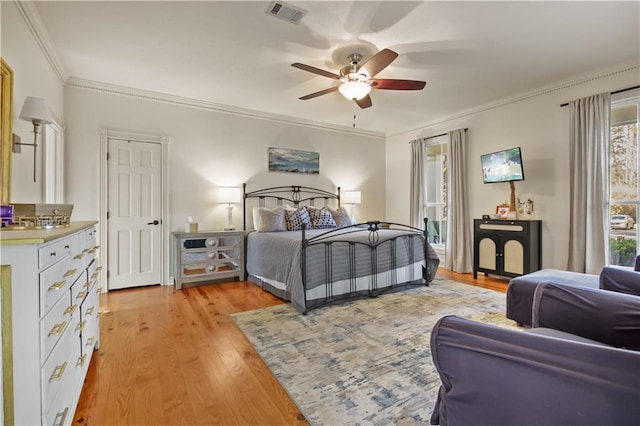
x=624 y=192
x=435 y=184
x=53 y=161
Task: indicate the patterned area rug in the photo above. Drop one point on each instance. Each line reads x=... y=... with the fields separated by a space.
x=366 y=361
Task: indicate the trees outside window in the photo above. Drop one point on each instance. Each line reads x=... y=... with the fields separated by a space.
x=624 y=191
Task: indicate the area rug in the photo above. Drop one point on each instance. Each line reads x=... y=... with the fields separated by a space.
x=367 y=361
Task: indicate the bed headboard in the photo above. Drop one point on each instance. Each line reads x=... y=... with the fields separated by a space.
x=295 y=194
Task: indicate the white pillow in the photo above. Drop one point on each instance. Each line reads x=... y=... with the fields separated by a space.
x=341 y=216
x=268 y=220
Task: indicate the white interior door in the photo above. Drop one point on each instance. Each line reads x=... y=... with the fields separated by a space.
x=134 y=213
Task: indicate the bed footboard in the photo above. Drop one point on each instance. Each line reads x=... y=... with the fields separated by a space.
x=364 y=260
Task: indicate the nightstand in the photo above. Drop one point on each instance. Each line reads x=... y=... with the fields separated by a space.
x=208 y=255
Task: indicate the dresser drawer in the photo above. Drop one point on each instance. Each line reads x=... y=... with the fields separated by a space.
x=59 y=372
x=53 y=252
x=54 y=283
x=55 y=324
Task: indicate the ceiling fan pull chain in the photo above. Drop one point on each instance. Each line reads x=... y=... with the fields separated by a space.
x=354 y=113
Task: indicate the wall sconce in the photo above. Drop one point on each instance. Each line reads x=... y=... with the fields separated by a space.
x=230 y=195
x=36 y=111
x=351 y=198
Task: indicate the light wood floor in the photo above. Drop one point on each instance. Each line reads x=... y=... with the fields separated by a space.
x=171 y=357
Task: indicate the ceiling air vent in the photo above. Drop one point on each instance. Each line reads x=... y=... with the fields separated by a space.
x=285 y=11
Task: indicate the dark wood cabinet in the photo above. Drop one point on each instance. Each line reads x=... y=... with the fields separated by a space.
x=508 y=248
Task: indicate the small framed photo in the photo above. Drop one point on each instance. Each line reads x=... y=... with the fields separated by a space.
x=503 y=211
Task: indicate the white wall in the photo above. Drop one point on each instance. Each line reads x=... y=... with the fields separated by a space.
x=210 y=149
x=32 y=76
x=541 y=127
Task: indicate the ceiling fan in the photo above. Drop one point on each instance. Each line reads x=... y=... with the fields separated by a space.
x=357 y=79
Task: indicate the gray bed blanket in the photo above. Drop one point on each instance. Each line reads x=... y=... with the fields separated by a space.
x=276 y=256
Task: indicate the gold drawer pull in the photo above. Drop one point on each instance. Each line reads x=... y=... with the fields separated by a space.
x=96 y=247
x=90 y=311
x=57 y=285
x=70 y=273
x=81 y=360
x=99 y=290
x=78 y=256
x=71 y=309
x=87 y=284
x=58 y=329
x=95 y=275
x=86 y=250
x=60 y=415
x=81 y=295
x=91 y=340
x=80 y=326
x=58 y=372
x=92 y=250
x=99 y=268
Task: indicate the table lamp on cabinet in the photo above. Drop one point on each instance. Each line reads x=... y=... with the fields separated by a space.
x=229 y=195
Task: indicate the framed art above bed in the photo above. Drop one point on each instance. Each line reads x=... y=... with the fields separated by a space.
x=304 y=248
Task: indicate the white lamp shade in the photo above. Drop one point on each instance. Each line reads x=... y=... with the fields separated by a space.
x=229 y=194
x=354 y=89
x=35 y=110
x=350 y=197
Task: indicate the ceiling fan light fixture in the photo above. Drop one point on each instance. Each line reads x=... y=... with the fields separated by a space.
x=354 y=90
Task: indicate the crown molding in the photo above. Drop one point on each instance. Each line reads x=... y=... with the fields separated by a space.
x=130 y=92
x=37 y=28
x=565 y=84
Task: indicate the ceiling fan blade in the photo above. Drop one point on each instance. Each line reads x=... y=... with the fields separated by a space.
x=316 y=70
x=364 y=102
x=378 y=62
x=392 y=84
x=320 y=93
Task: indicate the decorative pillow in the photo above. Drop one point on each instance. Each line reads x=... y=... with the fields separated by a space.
x=293 y=219
x=321 y=218
x=341 y=217
x=268 y=220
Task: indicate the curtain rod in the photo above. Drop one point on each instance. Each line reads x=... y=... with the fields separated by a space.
x=613 y=93
x=437 y=136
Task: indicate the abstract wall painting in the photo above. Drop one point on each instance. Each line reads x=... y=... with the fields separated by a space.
x=294 y=161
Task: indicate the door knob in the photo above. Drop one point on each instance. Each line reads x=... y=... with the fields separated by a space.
x=155 y=222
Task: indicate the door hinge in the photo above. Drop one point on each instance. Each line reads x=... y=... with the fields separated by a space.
x=107 y=156
x=107 y=215
x=108 y=273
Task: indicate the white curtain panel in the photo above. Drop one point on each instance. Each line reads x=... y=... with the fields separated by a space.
x=416 y=186
x=459 y=244
x=589 y=138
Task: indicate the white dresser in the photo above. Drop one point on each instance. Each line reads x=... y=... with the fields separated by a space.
x=55 y=292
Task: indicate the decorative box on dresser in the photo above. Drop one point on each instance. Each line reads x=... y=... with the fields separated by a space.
x=55 y=294
x=509 y=248
x=208 y=255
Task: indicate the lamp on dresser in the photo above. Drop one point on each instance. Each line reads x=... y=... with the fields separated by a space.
x=229 y=195
x=351 y=198
x=35 y=110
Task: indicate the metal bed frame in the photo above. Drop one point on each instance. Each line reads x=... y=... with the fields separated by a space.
x=297 y=194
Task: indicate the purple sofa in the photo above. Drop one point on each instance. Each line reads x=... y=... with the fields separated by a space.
x=579 y=364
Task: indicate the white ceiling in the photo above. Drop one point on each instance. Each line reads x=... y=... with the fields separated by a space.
x=233 y=53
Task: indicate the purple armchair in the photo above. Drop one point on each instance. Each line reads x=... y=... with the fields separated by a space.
x=579 y=364
x=521 y=289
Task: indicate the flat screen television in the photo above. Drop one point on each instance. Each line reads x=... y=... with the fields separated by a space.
x=502 y=166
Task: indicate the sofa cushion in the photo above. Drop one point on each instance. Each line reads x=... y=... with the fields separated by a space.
x=605 y=316
x=521 y=289
x=620 y=280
